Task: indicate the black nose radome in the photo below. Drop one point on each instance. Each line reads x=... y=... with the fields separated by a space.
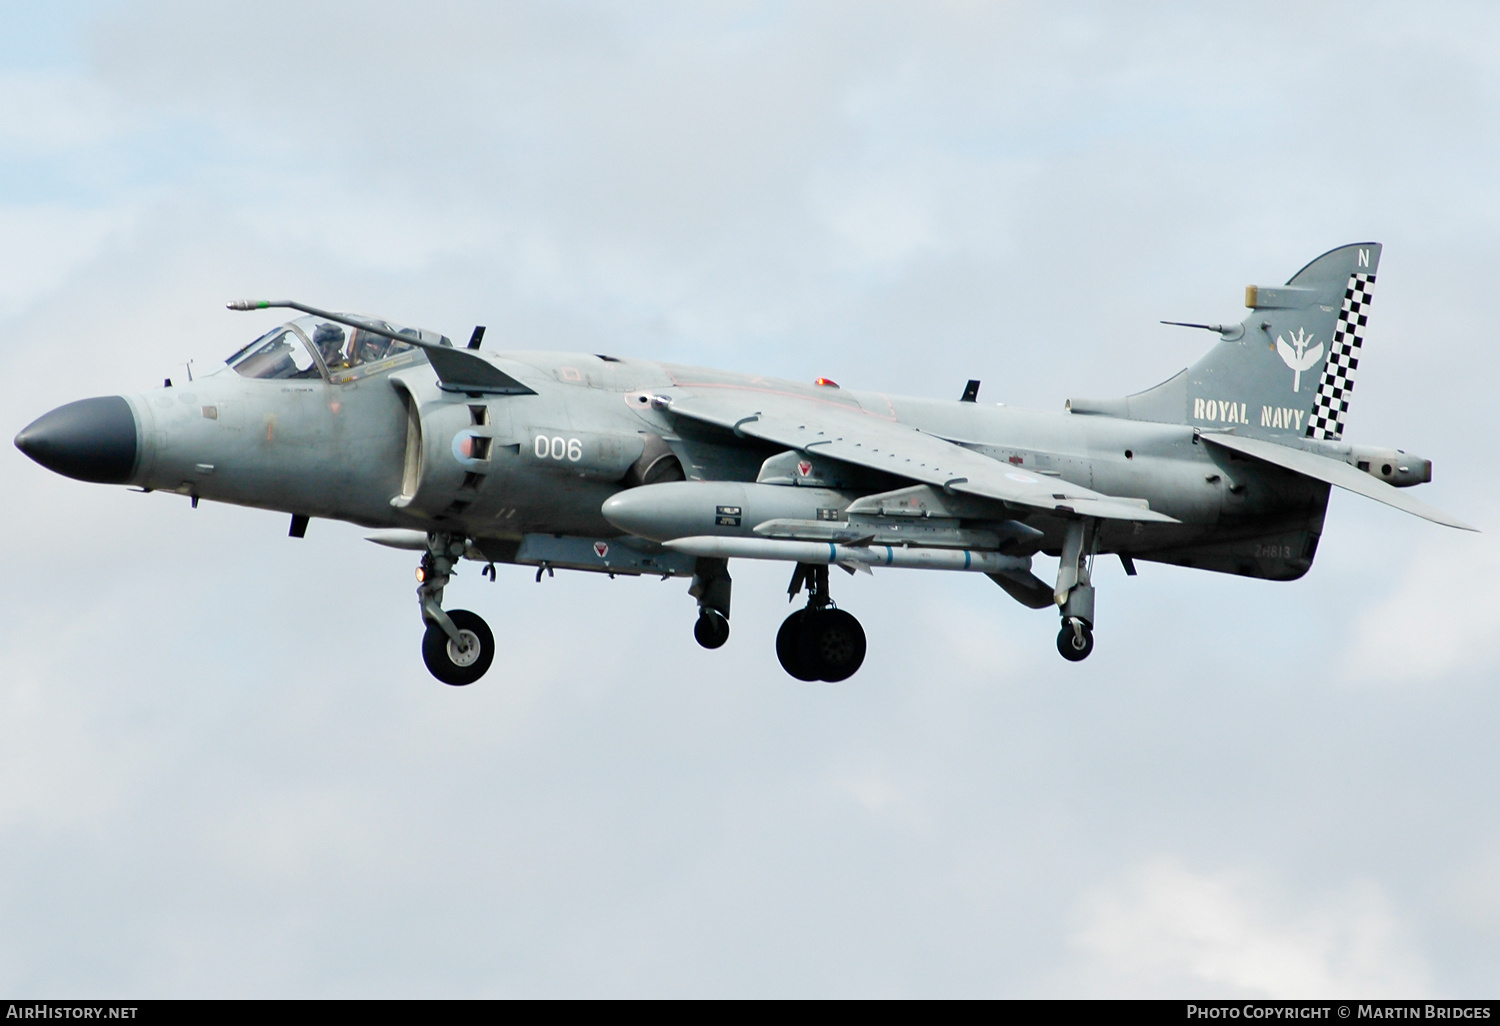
x=91 y=440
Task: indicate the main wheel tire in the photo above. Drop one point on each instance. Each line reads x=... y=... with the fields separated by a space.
x=1073 y=648
x=832 y=645
x=789 y=646
x=712 y=628
x=452 y=665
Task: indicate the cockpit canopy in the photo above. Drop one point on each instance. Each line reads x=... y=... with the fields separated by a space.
x=312 y=347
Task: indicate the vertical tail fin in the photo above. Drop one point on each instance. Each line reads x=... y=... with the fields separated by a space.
x=1287 y=369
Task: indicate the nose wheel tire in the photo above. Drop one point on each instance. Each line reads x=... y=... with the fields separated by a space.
x=712 y=628
x=456 y=665
x=1075 y=641
x=821 y=644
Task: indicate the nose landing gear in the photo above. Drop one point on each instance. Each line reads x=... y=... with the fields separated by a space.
x=458 y=646
x=819 y=642
x=457 y=664
x=1076 y=640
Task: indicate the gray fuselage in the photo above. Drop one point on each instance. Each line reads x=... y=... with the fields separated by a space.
x=387 y=448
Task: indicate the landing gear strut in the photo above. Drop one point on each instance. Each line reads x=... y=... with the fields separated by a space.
x=819 y=642
x=458 y=646
x=1074 y=593
x=711 y=587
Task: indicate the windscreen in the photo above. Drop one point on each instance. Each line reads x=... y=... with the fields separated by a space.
x=281 y=353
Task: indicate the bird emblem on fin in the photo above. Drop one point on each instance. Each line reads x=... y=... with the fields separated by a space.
x=1301 y=358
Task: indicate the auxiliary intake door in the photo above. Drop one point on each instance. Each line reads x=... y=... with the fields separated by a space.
x=453 y=447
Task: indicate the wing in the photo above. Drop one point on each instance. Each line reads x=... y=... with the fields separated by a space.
x=847 y=434
x=1334 y=472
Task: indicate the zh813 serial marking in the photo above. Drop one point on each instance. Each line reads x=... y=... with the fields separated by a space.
x=596 y=463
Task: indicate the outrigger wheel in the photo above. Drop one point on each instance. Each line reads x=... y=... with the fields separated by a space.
x=454 y=665
x=712 y=628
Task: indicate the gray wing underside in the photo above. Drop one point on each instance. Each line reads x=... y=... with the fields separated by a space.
x=1334 y=472
x=853 y=436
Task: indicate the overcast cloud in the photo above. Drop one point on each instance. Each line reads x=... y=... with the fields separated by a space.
x=223 y=767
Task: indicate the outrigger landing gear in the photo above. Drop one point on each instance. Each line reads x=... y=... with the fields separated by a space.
x=458 y=646
x=1074 y=593
x=711 y=587
x=819 y=642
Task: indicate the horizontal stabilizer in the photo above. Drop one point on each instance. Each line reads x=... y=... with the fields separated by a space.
x=1334 y=472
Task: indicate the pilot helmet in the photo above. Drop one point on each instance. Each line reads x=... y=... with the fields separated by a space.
x=328 y=335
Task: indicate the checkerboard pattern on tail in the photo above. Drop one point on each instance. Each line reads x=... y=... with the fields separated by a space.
x=1337 y=383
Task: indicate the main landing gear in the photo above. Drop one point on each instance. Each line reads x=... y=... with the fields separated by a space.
x=1074 y=593
x=819 y=642
x=458 y=647
x=816 y=643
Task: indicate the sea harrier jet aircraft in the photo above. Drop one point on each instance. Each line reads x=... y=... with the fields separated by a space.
x=570 y=461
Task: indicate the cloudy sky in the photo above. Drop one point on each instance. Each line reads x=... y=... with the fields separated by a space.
x=223 y=767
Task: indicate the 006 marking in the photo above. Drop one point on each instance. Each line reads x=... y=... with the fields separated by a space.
x=558 y=448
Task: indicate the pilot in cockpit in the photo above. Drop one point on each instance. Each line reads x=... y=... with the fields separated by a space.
x=329 y=338
x=369 y=347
